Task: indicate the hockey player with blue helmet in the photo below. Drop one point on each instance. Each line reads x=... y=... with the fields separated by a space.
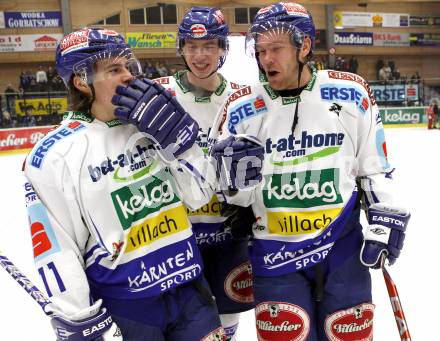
x=201 y=89
x=325 y=153
x=203 y=41
x=112 y=239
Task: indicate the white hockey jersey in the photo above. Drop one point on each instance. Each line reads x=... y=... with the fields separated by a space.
x=207 y=221
x=310 y=177
x=108 y=216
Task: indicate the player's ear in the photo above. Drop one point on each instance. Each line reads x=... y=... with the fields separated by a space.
x=81 y=85
x=306 y=47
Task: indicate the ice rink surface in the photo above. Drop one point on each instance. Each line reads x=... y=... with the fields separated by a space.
x=413 y=152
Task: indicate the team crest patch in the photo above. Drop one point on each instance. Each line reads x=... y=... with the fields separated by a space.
x=238 y=284
x=198 y=31
x=75 y=41
x=281 y=321
x=297 y=9
x=351 y=324
x=215 y=335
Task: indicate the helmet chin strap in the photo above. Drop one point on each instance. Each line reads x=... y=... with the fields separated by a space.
x=300 y=69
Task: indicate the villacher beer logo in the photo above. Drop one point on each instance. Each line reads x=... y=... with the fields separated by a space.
x=238 y=284
x=351 y=324
x=281 y=321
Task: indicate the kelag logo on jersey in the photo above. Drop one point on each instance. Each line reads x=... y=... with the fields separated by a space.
x=142 y=198
x=49 y=141
x=245 y=111
x=138 y=160
x=302 y=189
x=292 y=147
x=332 y=93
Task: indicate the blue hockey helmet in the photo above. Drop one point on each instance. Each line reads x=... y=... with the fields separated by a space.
x=287 y=17
x=204 y=23
x=78 y=51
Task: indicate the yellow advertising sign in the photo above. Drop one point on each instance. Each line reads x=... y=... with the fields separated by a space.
x=337 y=19
x=41 y=106
x=151 y=40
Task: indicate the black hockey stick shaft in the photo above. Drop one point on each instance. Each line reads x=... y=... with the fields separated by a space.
x=399 y=316
x=25 y=283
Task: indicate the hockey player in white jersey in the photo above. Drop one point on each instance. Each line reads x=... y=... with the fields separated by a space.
x=107 y=204
x=324 y=150
x=201 y=90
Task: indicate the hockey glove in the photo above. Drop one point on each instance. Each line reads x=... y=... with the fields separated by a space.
x=155 y=112
x=239 y=160
x=384 y=234
x=89 y=324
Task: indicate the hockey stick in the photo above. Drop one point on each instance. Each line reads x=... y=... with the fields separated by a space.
x=26 y=284
x=399 y=316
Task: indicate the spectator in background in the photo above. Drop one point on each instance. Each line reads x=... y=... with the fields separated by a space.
x=41 y=79
x=10 y=96
x=6 y=119
x=29 y=118
x=389 y=69
x=338 y=64
x=415 y=78
x=379 y=65
x=161 y=69
x=396 y=74
x=31 y=77
x=51 y=74
x=353 y=65
x=24 y=81
x=385 y=73
x=33 y=88
x=151 y=71
x=58 y=84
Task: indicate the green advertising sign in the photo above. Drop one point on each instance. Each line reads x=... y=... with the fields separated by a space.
x=403 y=115
x=151 y=40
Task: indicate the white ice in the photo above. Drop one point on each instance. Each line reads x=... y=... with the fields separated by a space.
x=413 y=153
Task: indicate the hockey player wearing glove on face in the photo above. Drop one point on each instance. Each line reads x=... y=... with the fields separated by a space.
x=201 y=90
x=107 y=204
x=322 y=135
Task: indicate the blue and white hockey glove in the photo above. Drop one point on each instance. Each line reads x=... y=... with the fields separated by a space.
x=384 y=234
x=92 y=323
x=239 y=160
x=155 y=112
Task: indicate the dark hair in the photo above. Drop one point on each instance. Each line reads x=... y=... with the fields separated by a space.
x=78 y=101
